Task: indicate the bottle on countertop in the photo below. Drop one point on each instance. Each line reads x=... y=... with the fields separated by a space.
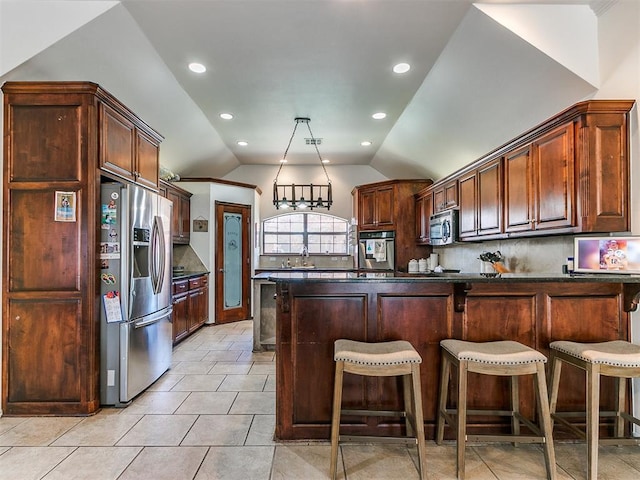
x=288 y=263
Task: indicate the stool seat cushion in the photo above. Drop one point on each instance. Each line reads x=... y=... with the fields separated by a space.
x=504 y=352
x=397 y=352
x=617 y=353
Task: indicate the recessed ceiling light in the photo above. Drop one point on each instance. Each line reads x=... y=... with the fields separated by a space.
x=283 y=160
x=366 y=143
x=197 y=67
x=325 y=160
x=401 y=68
x=379 y=115
x=226 y=116
x=242 y=143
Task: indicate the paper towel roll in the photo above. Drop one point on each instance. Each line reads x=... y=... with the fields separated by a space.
x=433 y=261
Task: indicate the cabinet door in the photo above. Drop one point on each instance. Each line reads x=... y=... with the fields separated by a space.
x=117 y=137
x=147 y=151
x=185 y=219
x=518 y=191
x=451 y=194
x=423 y=212
x=467 y=221
x=176 y=223
x=554 y=179
x=366 y=209
x=180 y=317
x=197 y=307
x=490 y=198
x=384 y=207
x=438 y=200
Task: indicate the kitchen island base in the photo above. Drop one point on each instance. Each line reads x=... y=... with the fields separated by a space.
x=312 y=313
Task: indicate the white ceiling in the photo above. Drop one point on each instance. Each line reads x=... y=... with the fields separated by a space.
x=474 y=83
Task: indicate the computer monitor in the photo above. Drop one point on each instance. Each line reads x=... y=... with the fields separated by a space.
x=619 y=255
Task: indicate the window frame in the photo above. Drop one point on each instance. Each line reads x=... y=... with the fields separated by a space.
x=305 y=233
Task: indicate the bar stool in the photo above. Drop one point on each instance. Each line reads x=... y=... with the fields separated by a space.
x=382 y=359
x=503 y=358
x=615 y=358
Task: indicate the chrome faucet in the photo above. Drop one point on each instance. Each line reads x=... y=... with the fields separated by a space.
x=305 y=254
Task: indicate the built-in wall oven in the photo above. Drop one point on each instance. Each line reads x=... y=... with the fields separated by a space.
x=376 y=250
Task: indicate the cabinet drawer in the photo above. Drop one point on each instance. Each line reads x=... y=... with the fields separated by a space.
x=180 y=287
x=197 y=282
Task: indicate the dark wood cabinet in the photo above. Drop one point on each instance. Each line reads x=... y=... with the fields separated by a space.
x=445 y=196
x=312 y=314
x=181 y=220
x=480 y=201
x=553 y=178
x=57 y=137
x=567 y=175
x=391 y=205
x=126 y=149
x=376 y=208
x=190 y=305
x=424 y=209
x=518 y=191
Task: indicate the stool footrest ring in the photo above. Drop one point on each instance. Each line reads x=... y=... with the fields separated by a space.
x=373 y=413
x=376 y=439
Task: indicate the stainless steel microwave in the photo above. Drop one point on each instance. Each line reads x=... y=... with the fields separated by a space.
x=443 y=228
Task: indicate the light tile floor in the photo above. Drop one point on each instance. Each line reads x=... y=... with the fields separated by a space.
x=212 y=417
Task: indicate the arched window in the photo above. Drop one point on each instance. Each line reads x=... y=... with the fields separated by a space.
x=320 y=233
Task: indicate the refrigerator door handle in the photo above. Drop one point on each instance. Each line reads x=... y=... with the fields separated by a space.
x=157 y=255
x=150 y=319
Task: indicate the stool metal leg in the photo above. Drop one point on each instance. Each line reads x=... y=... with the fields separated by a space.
x=335 y=418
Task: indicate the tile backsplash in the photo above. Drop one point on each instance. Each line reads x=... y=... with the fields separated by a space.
x=530 y=255
x=320 y=261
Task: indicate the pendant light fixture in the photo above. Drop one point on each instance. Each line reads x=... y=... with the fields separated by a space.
x=301 y=196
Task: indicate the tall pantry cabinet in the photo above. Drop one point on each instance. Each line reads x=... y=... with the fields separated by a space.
x=59 y=138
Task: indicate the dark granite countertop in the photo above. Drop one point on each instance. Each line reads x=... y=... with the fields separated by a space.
x=298 y=276
x=187 y=274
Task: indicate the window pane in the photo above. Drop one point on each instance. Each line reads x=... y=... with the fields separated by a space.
x=288 y=233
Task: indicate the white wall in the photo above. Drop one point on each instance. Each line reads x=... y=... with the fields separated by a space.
x=343 y=179
x=203 y=200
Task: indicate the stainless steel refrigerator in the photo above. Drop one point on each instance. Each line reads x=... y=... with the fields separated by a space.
x=135 y=278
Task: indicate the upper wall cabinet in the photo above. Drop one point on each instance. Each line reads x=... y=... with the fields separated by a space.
x=391 y=205
x=129 y=149
x=181 y=220
x=568 y=175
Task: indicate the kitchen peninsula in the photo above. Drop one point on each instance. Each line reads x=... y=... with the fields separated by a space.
x=315 y=309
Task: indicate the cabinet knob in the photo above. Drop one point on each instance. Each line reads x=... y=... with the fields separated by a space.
x=17 y=317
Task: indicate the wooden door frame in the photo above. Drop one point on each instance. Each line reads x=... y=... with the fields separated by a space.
x=243 y=313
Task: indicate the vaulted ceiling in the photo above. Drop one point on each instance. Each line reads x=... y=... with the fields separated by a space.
x=481 y=73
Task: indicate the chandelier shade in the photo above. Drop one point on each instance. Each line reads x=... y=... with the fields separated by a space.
x=301 y=196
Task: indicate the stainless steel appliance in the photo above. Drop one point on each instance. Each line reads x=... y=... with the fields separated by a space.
x=443 y=228
x=135 y=279
x=376 y=250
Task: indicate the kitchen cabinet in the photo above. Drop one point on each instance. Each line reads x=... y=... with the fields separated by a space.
x=181 y=223
x=424 y=209
x=480 y=201
x=376 y=208
x=567 y=175
x=127 y=150
x=391 y=205
x=190 y=305
x=445 y=196
x=54 y=141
